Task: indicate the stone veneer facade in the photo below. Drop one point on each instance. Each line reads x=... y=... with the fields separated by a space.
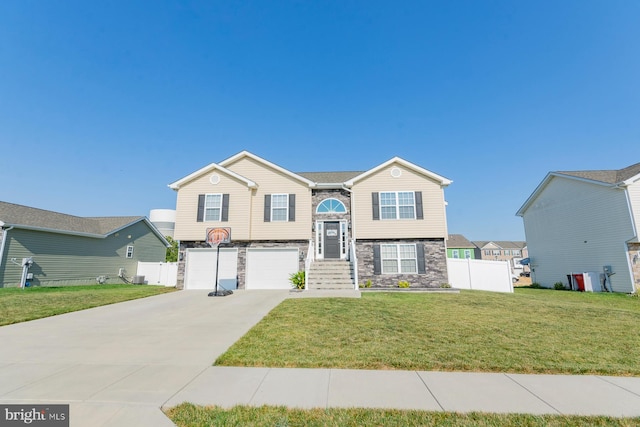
x=319 y=195
x=302 y=246
x=435 y=265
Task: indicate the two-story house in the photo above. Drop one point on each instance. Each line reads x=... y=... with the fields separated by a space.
x=585 y=221
x=459 y=247
x=500 y=250
x=383 y=225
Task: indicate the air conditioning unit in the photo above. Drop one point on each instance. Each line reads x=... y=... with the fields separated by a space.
x=138 y=280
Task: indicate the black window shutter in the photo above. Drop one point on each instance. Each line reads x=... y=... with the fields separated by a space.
x=376 y=206
x=419 y=211
x=377 y=263
x=225 y=207
x=292 y=207
x=420 y=254
x=267 y=207
x=200 y=207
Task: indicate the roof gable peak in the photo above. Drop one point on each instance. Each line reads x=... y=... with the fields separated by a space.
x=420 y=170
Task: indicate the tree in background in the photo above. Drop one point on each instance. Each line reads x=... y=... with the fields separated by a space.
x=172 y=251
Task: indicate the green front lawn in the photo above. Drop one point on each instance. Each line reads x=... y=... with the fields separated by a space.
x=531 y=331
x=188 y=415
x=19 y=305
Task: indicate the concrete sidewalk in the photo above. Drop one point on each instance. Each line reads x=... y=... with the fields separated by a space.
x=429 y=391
x=117 y=365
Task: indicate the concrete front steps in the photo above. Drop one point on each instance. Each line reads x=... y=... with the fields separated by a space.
x=330 y=275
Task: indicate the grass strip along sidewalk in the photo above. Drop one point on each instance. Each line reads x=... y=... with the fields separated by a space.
x=20 y=305
x=531 y=331
x=188 y=415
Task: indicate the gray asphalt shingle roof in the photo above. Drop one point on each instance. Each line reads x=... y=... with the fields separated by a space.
x=329 y=177
x=459 y=241
x=607 y=176
x=19 y=215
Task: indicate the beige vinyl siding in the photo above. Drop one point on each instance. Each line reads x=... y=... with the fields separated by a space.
x=62 y=259
x=432 y=226
x=187 y=226
x=271 y=181
x=575 y=226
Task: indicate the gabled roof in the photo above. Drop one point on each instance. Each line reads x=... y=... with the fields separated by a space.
x=618 y=176
x=442 y=180
x=502 y=244
x=610 y=178
x=258 y=159
x=19 y=216
x=459 y=241
x=210 y=168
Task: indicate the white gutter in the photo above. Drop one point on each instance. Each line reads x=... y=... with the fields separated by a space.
x=353 y=203
x=4 y=242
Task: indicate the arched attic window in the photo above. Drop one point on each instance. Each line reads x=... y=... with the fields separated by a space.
x=331 y=206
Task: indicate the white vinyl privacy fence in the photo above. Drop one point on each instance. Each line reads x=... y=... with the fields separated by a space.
x=159 y=273
x=480 y=275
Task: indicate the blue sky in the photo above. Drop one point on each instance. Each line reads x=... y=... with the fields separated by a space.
x=102 y=104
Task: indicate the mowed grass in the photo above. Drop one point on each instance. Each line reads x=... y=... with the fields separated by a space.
x=188 y=415
x=20 y=305
x=530 y=331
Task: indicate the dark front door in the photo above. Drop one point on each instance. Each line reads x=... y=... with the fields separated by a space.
x=332 y=240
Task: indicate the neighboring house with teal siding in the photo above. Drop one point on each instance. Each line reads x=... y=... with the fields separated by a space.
x=71 y=250
x=459 y=247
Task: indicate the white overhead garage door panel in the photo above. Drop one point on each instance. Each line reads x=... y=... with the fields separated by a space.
x=270 y=268
x=200 y=268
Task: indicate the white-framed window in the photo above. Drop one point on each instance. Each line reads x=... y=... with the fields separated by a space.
x=397 y=205
x=467 y=253
x=487 y=252
x=331 y=206
x=516 y=252
x=213 y=207
x=507 y=252
x=401 y=258
x=496 y=252
x=455 y=253
x=279 y=207
x=129 y=251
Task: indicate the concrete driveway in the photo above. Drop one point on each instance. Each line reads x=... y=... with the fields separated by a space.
x=118 y=364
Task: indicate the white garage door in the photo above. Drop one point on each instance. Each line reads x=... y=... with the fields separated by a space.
x=270 y=268
x=200 y=268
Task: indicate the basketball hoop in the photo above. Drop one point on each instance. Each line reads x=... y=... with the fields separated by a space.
x=216 y=236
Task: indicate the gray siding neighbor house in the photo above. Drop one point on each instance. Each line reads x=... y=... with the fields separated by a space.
x=71 y=250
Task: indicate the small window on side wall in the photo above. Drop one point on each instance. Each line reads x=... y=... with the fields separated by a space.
x=129 y=251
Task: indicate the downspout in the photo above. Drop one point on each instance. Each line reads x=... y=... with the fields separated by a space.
x=352 y=245
x=3 y=244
